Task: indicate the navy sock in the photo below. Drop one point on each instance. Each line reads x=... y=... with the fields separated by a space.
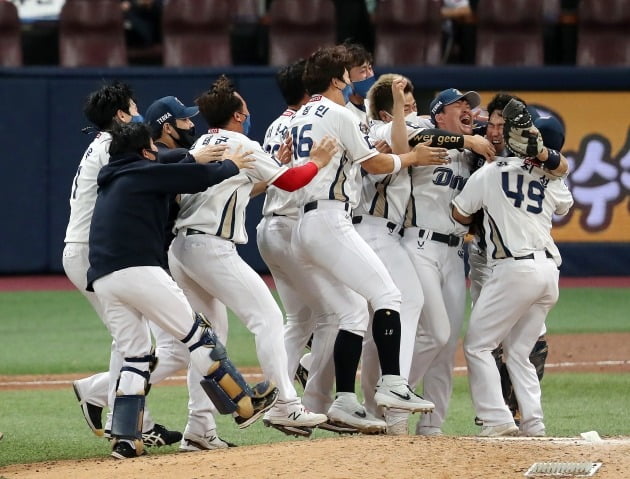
x=386 y=332
x=347 y=355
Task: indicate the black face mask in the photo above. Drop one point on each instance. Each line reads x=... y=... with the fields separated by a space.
x=186 y=137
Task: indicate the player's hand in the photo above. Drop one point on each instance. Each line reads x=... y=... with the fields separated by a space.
x=322 y=152
x=426 y=155
x=382 y=147
x=285 y=151
x=480 y=145
x=209 y=153
x=241 y=158
x=398 y=90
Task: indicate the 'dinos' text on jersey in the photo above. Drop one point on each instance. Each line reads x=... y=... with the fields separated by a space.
x=443 y=176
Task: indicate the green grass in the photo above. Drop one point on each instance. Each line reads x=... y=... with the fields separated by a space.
x=58 y=332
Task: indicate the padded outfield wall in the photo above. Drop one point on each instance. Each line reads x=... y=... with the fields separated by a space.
x=42 y=144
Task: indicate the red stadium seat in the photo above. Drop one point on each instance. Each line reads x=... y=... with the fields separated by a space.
x=10 y=36
x=297 y=29
x=91 y=33
x=510 y=32
x=197 y=33
x=603 y=36
x=408 y=32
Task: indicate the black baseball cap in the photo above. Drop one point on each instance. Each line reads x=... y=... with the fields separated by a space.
x=451 y=95
x=165 y=109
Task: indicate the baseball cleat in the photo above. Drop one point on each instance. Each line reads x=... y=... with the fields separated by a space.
x=501 y=430
x=124 y=450
x=301 y=375
x=160 y=436
x=91 y=412
x=393 y=392
x=293 y=418
x=346 y=411
x=264 y=398
x=208 y=442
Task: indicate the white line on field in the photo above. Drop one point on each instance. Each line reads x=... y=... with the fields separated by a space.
x=256 y=376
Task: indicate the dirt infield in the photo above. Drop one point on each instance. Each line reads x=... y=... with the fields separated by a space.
x=385 y=457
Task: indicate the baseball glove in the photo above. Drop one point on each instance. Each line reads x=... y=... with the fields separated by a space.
x=519 y=132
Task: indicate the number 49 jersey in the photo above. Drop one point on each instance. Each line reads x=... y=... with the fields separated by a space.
x=519 y=201
x=341 y=178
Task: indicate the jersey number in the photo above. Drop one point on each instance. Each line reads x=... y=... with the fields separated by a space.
x=302 y=142
x=535 y=192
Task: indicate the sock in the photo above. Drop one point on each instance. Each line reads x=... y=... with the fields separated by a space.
x=386 y=332
x=347 y=354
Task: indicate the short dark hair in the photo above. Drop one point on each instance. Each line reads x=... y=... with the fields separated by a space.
x=357 y=54
x=499 y=101
x=218 y=104
x=380 y=95
x=130 y=138
x=290 y=82
x=322 y=66
x=101 y=105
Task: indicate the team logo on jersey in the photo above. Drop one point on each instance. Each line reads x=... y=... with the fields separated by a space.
x=364 y=128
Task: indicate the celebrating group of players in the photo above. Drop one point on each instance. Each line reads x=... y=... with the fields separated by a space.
x=367 y=206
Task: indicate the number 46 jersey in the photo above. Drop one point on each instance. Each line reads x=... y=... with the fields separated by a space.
x=518 y=201
x=341 y=178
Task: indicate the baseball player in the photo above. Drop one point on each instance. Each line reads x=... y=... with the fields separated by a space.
x=434 y=243
x=203 y=257
x=112 y=104
x=519 y=197
x=341 y=265
x=379 y=219
x=479 y=270
x=94 y=392
x=127 y=275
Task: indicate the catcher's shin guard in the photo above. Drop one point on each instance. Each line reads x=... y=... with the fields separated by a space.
x=132 y=387
x=222 y=382
x=538 y=356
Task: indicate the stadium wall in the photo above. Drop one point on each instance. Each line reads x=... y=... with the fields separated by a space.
x=42 y=145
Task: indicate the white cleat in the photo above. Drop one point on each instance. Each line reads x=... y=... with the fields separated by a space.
x=293 y=418
x=208 y=442
x=393 y=392
x=346 y=411
x=501 y=430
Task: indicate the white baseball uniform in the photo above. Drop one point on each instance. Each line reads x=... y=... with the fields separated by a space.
x=518 y=203
x=434 y=242
x=379 y=220
x=204 y=261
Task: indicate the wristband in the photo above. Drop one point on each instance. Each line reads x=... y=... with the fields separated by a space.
x=553 y=159
x=397 y=164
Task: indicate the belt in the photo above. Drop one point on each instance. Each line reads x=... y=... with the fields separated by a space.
x=531 y=256
x=313 y=206
x=192 y=231
x=451 y=240
x=357 y=219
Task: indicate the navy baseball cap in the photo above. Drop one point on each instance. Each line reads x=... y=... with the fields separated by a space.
x=552 y=132
x=451 y=95
x=165 y=109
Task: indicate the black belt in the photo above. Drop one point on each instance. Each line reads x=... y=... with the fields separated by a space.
x=313 y=206
x=192 y=231
x=451 y=240
x=357 y=219
x=531 y=256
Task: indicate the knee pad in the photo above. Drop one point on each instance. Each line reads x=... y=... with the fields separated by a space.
x=222 y=382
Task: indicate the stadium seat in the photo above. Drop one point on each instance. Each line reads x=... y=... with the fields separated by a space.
x=197 y=33
x=510 y=32
x=297 y=29
x=10 y=36
x=602 y=33
x=408 y=32
x=91 y=33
